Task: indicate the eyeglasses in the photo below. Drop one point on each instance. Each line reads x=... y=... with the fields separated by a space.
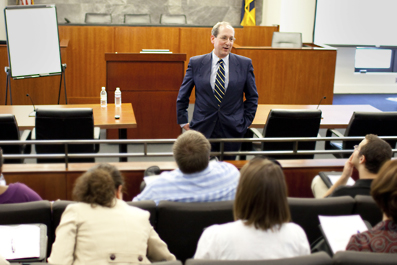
x=225 y=38
x=355 y=147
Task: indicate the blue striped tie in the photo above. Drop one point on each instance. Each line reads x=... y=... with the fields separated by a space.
x=219 y=89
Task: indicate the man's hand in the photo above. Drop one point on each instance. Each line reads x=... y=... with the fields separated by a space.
x=347 y=172
x=186 y=127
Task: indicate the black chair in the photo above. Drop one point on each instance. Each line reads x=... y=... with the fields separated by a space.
x=38 y=212
x=361 y=124
x=305 y=212
x=287 y=123
x=149 y=206
x=367 y=208
x=320 y=258
x=363 y=258
x=175 y=262
x=9 y=131
x=65 y=124
x=180 y=224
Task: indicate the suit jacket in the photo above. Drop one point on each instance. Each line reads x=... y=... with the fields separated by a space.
x=102 y=235
x=234 y=114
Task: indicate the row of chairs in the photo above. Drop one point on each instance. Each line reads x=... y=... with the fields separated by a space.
x=306 y=123
x=137 y=19
x=52 y=124
x=58 y=124
x=180 y=225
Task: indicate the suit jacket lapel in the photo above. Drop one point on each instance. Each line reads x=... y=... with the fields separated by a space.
x=205 y=73
x=233 y=74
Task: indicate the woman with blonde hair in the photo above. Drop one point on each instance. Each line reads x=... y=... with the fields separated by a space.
x=262 y=228
x=103 y=229
x=382 y=238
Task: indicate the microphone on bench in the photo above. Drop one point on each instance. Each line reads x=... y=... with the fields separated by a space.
x=33 y=113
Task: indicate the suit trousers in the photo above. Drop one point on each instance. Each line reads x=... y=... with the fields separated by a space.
x=216 y=147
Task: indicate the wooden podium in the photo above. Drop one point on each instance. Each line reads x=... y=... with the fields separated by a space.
x=151 y=83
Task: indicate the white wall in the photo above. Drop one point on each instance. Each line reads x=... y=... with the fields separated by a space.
x=347 y=81
x=298 y=16
x=291 y=15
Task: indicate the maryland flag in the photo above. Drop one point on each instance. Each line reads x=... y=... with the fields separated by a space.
x=247 y=13
x=25 y=2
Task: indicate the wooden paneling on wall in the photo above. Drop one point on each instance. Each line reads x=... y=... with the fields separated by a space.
x=292 y=76
x=134 y=39
x=86 y=68
x=43 y=90
x=54 y=182
x=85 y=56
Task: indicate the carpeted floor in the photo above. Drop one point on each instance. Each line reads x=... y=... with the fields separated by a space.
x=383 y=102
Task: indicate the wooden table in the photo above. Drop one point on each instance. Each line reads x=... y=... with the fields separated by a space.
x=103 y=117
x=333 y=116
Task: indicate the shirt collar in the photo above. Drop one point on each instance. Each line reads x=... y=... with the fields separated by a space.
x=215 y=59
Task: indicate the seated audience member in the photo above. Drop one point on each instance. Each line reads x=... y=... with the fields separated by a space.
x=262 y=228
x=196 y=179
x=15 y=192
x=368 y=157
x=382 y=238
x=103 y=229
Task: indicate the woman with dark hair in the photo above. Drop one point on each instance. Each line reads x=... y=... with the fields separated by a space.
x=382 y=238
x=262 y=228
x=103 y=229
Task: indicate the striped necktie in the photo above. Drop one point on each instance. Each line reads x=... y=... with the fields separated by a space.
x=219 y=89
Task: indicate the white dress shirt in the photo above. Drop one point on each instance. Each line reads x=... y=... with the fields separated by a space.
x=214 y=69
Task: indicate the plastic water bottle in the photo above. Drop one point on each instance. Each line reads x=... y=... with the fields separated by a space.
x=104 y=98
x=117 y=97
x=2 y=180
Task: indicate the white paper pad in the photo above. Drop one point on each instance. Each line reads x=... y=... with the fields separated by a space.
x=22 y=241
x=339 y=229
x=334 y=178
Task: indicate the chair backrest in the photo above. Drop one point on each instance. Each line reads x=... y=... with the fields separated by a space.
x=137 y=19
x=9 y=131
x=305 y=212
x=320 y=258
x=362 y=258
x=291 y=123
x=59 y=207
x=98 y=18
x=64 y=124
x=363 y=123
x=367 y=208
x=149 y=206
x=189 y=220
x=28 y=213
x=173 y=19
x=287 y=40
x=174 y=262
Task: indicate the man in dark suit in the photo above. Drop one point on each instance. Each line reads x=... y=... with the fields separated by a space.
x=222 y=79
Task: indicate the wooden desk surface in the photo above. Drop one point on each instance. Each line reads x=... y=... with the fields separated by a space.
x=333 y=116
x=103 y=117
